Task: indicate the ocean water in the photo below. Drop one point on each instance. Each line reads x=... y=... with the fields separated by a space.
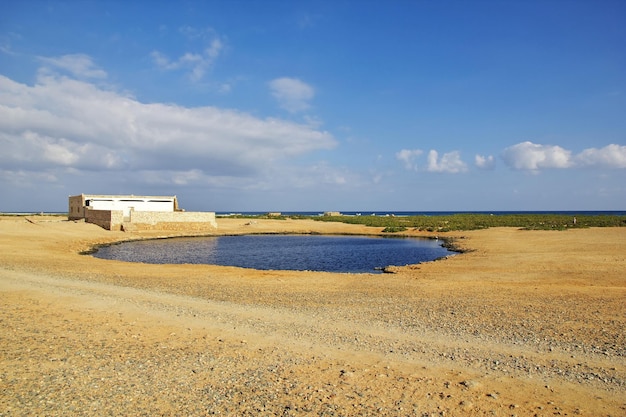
x=285 y=252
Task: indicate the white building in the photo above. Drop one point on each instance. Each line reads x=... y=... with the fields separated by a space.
x=126 y=212
x=125 y=203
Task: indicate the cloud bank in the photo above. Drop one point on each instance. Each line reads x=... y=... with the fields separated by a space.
x=535 y=157
x=65 y=123
x=524 y=156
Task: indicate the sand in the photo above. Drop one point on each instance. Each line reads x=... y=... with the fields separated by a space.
x=525 y=323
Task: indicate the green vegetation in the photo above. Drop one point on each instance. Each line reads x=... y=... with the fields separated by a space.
x=469 y=221
x=260 y=216
x=394 y=229
x=463 y=221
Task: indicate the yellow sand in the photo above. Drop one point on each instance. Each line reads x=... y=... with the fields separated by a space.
x=526 y=323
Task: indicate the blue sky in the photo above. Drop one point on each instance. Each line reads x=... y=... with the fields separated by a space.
x=315 y=105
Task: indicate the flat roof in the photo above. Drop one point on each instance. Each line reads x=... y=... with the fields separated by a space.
x=131 y=196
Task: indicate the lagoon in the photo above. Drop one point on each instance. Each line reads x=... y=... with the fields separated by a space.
x=284 y=252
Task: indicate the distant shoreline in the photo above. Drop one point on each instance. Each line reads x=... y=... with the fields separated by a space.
x=370 y=213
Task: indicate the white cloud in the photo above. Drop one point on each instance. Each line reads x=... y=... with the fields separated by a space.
x=534 y=157
x=61 y=123
x=485 y=162
x=196 y=63
x=408 y=156
x=292 y=94
x=78 y=65
x=611 y=156
x=450 y=162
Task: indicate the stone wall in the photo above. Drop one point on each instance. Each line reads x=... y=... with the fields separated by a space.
x=76 y=211
x=107 y=219
x=196 y=221
x=152 y=220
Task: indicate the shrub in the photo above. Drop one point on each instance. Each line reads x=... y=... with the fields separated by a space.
x=472 y=221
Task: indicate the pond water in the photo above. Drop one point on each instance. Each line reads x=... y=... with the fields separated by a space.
x=287 y=252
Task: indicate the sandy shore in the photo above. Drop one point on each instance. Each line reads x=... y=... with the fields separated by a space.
x=526 y=323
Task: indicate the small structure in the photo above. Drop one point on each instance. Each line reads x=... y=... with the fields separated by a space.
x=130 y=212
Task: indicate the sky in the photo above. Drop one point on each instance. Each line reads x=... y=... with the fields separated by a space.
x=315 y=105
